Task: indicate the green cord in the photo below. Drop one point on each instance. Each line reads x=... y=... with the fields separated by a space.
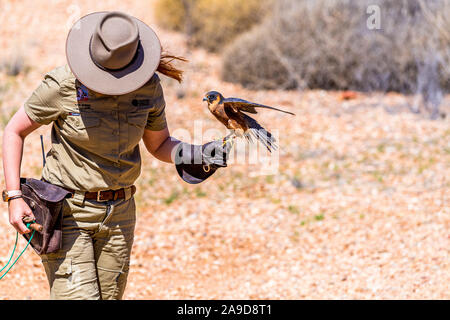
x=12 y=254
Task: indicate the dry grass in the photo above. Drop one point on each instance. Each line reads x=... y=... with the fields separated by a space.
x=438 y=19
x=359 y=208
x=211 y=24
x=327 y=45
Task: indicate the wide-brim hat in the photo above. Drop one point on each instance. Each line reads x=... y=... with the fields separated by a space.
x=112 y=53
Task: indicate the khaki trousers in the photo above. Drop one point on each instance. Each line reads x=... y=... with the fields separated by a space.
x=95 y=256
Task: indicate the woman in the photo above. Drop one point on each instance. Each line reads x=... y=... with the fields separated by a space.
x=101 y=105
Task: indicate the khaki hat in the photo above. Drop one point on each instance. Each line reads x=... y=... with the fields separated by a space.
x=112 y=53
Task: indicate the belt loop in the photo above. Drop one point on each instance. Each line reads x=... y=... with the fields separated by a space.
x=78 y=198
x=127 y=193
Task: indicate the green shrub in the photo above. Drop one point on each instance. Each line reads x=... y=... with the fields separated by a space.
x=327 y=44
x=210 y=23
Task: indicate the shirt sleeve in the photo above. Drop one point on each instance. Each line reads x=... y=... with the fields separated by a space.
x=156 y=120
x=43 y=105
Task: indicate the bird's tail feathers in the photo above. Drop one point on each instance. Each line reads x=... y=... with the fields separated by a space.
x=263 y=136
x=256 y=131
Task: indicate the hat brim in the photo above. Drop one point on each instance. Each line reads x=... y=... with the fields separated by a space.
x=111 y=82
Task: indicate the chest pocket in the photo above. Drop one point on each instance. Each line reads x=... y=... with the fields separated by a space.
x=137 y=121
x=83 y=128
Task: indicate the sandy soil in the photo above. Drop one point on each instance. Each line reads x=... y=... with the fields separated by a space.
x=359 y=207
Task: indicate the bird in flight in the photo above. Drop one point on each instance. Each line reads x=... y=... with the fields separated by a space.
x=232 y=113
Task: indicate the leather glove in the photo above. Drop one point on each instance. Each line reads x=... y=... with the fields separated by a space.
x=196 y=163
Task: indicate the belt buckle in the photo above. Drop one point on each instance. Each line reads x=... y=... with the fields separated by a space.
x=98 y=197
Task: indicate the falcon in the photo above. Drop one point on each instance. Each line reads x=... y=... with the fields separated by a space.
x=232 y=113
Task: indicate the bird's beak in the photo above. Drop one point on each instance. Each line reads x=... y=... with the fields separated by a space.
x=204 y=99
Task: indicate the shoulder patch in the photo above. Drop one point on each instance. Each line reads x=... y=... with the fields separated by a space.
x=82 y=93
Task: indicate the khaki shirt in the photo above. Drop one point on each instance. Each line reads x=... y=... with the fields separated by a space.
x=95 y=138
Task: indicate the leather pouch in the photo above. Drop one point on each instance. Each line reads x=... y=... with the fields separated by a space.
x=45 y=200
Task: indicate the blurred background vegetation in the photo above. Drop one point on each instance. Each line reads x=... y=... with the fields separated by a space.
x=361 y=192
x=211 y=24
x=322 y=44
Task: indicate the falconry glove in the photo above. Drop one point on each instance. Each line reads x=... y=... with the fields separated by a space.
x=196 y=163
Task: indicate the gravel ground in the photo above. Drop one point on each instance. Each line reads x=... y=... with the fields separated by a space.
x=359 y=207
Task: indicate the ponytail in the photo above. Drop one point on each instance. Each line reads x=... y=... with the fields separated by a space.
x=168 y=69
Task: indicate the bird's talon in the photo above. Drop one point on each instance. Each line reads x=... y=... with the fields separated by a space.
x=226 y=141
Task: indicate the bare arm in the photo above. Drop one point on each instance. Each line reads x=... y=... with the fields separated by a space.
x=14 y=135
x=160 y=144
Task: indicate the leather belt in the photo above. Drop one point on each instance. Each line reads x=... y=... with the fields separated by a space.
x=106 y=195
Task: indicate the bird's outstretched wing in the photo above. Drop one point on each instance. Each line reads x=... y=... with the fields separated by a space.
x=237 y=104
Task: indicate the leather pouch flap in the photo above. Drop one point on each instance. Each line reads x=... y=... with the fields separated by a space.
x=46 y=191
